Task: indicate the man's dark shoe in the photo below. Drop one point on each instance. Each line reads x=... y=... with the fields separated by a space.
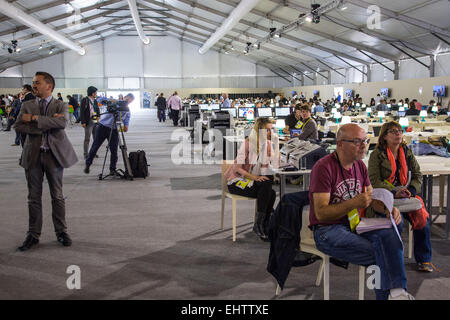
x=29 y=242
x=64 y=239
x=86 y=169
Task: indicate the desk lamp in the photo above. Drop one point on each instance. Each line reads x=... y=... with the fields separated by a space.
x=381 y=115
x=333 y=110
x=337 y=115
x=280 y=124
x=404 y=122
x=346 y=119
x=423 y=114
x=434 y=109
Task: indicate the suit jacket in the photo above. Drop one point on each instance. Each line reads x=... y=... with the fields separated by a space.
x=161 y=103
x=85 y=110
x=58 y=141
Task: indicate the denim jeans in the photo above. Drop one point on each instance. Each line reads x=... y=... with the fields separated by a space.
x=381 y=247
x=422 y=241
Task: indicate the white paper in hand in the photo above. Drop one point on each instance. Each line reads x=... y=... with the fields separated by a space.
x=387 y=198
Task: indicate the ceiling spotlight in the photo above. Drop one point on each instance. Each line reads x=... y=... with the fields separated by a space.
x=13 y=47
x=315 y=16
x=277 y=35
x=255 y=44
x=232 y=48
x=51 y=51
x=343 y=8
x=308 y=19
x=227 y=52
x=272 y=32
x=40 y=46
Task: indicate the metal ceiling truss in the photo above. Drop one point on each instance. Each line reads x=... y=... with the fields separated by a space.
x=305 y=28
x=303 y=73
x=239 y=31
x=364 y=73
x=257 y=26
x=393 y=71
x=397 y=16
x=412 y=57
x=60 y=17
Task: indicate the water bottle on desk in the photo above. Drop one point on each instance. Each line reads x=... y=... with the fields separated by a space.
x=326 y=128
x=415 y=145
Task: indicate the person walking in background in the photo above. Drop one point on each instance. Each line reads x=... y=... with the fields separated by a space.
x=175 y=105
x=89 y=114
x=161 y=105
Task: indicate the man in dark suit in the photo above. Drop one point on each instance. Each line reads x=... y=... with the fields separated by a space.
x=162 y=106
x=89 y=113
x=46 y=150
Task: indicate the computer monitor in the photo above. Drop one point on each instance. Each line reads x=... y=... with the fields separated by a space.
x=231 y=110
x=264 y=112
x=215 y=106
x=401 y=113
x=204 y=107
x=282 y=111
x=249 y=105
x=244 y=111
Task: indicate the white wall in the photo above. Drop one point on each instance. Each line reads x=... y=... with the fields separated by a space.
x=170 y=63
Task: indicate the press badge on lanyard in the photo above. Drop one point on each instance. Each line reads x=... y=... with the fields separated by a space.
x=242 y=183
x=353 y=216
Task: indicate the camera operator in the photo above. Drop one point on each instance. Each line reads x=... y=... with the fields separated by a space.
x=88 y=116
x=105 y=125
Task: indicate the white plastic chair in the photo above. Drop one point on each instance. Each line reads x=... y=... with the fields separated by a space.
x=307 y=244
x=234 y=198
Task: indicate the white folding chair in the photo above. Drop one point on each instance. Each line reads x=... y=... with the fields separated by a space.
x=234 y=198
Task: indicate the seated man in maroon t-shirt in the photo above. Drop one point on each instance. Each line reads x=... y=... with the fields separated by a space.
x=340 y=185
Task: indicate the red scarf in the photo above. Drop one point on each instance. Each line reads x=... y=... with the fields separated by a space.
x=419 y=217
x=403 y=166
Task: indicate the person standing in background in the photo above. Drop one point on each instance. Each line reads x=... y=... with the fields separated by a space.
x=90 y=112
x=161 y=105
x=175 y=105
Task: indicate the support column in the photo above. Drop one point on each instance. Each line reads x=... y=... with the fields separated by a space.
x=369 y=73
x=329 y=76
x=303 y=80
x=396 y=69
x=432 y=66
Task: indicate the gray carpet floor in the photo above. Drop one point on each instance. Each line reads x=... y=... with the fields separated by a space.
x=158 y=238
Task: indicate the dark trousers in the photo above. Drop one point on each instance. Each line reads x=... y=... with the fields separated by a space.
x=262 y=191
x=101 y=134
x=175 y=115
x=10 y=123
x=162 y=115
x=49 y=166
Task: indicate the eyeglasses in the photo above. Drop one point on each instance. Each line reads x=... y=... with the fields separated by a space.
x=395 y=131
x=357 y=142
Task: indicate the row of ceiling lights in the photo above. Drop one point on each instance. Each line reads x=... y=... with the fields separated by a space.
x=314 y=18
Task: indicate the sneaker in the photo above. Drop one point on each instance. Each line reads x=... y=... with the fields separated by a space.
x=403 y=296
x=86 y=169
x=15 y=145
x=64 y=239
x=425 y=267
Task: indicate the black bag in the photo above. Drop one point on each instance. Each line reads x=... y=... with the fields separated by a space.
x=138 y=163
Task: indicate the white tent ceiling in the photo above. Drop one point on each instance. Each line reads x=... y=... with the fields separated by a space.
x=409 y=28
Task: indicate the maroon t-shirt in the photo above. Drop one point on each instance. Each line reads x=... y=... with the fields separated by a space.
x=326 y=177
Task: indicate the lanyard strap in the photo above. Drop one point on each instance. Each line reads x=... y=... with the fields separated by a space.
x=343 y=178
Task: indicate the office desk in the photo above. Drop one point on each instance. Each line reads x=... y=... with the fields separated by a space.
x=283 y=174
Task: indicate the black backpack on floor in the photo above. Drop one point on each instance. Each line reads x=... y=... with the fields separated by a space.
x=138 y=163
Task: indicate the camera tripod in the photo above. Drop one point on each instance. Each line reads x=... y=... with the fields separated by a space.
x=127 y=174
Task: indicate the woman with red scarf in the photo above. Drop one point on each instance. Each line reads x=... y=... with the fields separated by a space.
x=392 y=166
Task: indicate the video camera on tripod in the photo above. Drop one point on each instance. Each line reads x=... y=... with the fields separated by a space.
x=115 y=108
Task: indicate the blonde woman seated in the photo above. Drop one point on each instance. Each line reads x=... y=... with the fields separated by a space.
x=248 y=175
x=393 y=166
